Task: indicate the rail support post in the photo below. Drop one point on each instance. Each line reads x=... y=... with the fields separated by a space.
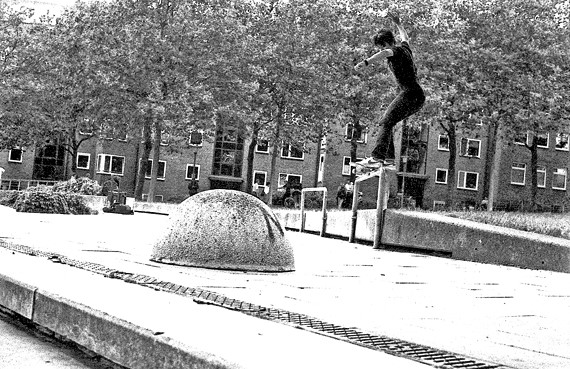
x=323 y=209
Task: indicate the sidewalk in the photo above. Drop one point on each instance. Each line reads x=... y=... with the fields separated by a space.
x=509 y=316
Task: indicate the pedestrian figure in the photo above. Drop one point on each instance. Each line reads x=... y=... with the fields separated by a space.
x=410 y=98
x=340 y=195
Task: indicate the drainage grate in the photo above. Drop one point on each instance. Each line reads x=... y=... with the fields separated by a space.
x=409 y=350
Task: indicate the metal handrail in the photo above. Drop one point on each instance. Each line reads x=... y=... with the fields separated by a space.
x=324 y=208
x=381 y=205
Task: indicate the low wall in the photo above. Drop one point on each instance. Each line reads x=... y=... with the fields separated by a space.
x=463 y=239
x=99 y=202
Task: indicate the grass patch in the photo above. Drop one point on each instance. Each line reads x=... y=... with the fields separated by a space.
x=552 y=224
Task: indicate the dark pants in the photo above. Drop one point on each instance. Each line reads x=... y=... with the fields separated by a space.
x=405 y=104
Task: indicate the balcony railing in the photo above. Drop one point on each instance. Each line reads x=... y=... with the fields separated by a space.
x=22 y=184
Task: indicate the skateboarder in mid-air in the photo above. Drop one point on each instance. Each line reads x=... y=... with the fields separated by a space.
x=410 y=97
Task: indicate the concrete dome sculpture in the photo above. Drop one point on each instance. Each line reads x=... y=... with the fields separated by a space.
x=225 y=229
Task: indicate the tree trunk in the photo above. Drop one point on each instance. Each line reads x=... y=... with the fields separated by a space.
x=495 y=168
x=147 y=147
x=451 y=175
x=533 y=174
x=155 y=160
x=273 y=175
x=250 y=157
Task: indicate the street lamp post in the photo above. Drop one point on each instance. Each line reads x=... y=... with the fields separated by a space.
x=195 y=140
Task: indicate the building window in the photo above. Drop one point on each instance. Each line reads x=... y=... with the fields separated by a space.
x=467 y=180
x=15 y=156
x=196 y=138
x=559 y=179
x=562 y=141
x=228 y=153
x=83 y=160
x=191 y=168
x=443 y=143
x=521 y=138
x=157 y=198
x=110 y=164
x=350 y=132
x=441 y=176
x=160 y=174
x=518 y=174
x=346 y=165
x=262 y=146
x=542 y=140
x=293 y=179
x=260 y=178
x=291 y=152
x=541 y=176
x=470 y=148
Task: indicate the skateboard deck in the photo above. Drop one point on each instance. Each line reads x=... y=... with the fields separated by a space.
x=369 y=166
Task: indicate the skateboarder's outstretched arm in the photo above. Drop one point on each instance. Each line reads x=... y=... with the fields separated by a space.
x=385 y=52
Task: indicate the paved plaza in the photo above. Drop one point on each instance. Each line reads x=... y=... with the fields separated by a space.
x=510 y=316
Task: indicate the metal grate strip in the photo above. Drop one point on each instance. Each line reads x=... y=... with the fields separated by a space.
x=417 y=352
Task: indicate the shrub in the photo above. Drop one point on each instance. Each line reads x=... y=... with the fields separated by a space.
x=8 y=198
x=82 y=186
x=42 y=200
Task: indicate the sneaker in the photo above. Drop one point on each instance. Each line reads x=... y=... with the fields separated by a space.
x=368 y=162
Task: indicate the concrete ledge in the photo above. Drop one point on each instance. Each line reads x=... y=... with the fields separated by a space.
x=463 y=239
x=17 y=296
x=154 y=207
x=473 y=241
x=117 y=340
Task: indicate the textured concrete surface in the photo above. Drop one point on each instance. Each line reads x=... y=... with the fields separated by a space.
x=225 y=229
x=141 y=328
x=512 y=316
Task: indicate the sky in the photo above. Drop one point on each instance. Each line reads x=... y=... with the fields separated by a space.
x=54 y=7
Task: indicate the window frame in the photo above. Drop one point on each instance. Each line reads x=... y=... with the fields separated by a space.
x=439 y=146
x=540 y=169
x=522 y=143
x=557 y=142
x=280 y=184
x=261 y=151
x=197 y=172
x=523 y=169
x=463 y=185
x=111 y=156
x=149 y=169
x=344 y=165
x=88 y=160
x=264 y=173
x=10 y=160
x=446 y=175
x=364 y=133
x=465 y=153
x=547 y=140
x=289 y=147
x=554 y=174
x=201 y=140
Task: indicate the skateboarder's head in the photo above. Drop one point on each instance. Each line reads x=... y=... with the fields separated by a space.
x=384 y=38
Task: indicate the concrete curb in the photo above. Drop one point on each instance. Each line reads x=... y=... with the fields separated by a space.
x=115 y=339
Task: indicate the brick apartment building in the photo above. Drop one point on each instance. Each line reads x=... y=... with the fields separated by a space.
x=220 y=162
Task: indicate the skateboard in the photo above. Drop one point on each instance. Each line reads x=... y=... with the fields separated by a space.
x=370 y=166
